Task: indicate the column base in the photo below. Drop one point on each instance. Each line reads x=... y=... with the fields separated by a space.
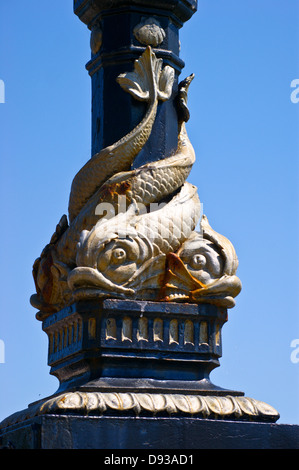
x=130 y=432
x=127 y=369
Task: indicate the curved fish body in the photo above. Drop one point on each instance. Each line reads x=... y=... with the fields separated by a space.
x=149 y=184
x=126 y=256
x=147 y=83
x=131 y=232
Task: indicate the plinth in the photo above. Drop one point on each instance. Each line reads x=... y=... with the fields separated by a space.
x=136 y=375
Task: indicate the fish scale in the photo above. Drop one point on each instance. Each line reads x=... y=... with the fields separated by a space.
x=162 y=179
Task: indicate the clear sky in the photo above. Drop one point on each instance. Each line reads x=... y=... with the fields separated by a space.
x=245 y=131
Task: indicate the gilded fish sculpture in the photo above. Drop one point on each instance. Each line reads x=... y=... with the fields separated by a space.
x=130 y=233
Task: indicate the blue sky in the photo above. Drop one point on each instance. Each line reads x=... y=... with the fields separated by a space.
x=244 y=128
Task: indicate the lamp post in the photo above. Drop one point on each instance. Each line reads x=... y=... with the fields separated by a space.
x=120 y=31
x=132 y=298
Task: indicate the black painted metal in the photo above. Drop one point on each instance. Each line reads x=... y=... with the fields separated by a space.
x=88 y=10
x=179 y=434
x=114 y=112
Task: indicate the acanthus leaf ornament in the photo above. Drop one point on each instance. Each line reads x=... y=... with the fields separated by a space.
x=95 y=403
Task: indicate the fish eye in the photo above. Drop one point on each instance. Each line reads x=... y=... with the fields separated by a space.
x=119 y=255
x=198 y=261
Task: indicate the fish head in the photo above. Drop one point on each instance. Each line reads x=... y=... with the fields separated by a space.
x=203 y=270
x=108 y=261
x=201 y=258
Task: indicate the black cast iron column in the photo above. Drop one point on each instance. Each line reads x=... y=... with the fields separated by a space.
x=115 y=45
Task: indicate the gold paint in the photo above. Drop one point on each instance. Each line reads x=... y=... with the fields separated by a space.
x=111 y=329
x=173 y=332
x=218 y=335
x=203 y=333
x=149 y=32
x=96 y=39
x=126 y=333
x=203 y=406
x=188 y=332
x=142 y=332
x=178 y=280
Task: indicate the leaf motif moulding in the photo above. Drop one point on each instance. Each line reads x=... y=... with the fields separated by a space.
x=120 y=403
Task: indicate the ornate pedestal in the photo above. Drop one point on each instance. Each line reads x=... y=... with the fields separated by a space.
x=157 y=346
x=125 y=358
x=136 y=375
